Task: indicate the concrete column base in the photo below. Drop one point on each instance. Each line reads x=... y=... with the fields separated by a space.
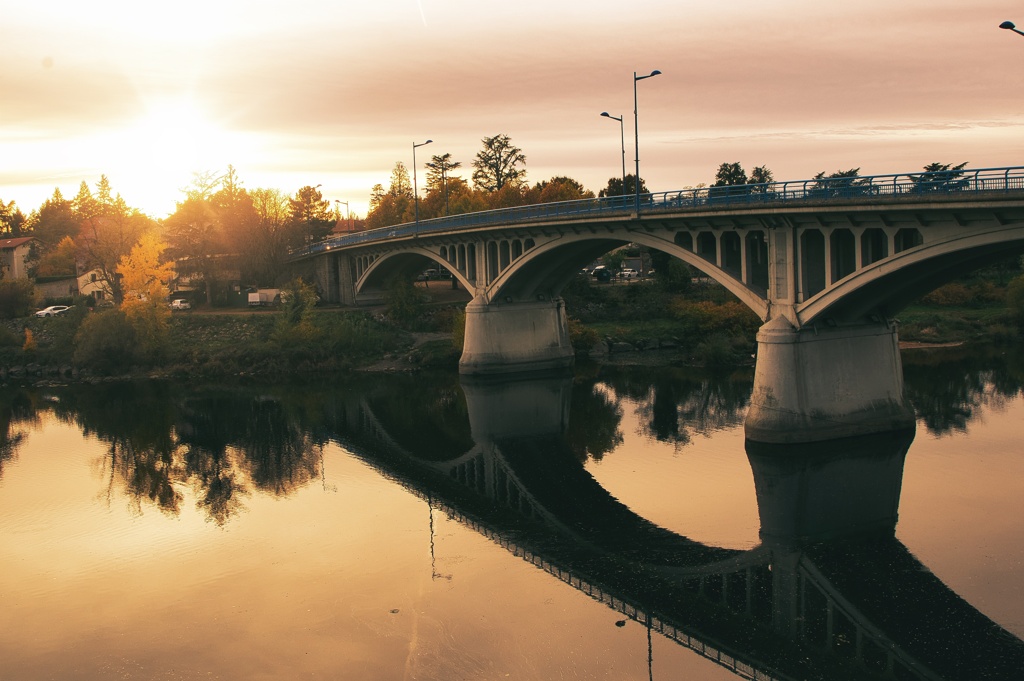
x=826 y=383
x=514 y=337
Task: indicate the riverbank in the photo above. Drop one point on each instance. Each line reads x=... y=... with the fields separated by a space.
x=639 y=324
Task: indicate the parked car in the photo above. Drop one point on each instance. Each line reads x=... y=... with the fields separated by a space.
x=180 y=304
x=629 y=273
x=53 y=311
x=428 y=275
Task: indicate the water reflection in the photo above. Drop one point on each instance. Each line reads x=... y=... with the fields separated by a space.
x=829 y=593
x=949 y=387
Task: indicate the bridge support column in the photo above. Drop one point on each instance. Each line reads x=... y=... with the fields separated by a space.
x=825 y=383
x=513 y=337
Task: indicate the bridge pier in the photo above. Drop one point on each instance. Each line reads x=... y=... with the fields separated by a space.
x=516 y=336
x=826 y=382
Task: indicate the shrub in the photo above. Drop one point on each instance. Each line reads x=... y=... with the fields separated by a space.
x=716 y=351
x=582 y=338
x=459 y=330
x=1015 y=300
x=15 y=298
x=8 y=338
x=295 y=329
x=404 y=301
x=105 y=342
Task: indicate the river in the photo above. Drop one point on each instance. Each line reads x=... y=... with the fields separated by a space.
x=613 y=524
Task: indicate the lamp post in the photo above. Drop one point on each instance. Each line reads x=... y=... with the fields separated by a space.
x=1009 y=26
x=415 y=188
x=636 y=133
x=622 y=136
x=347 y=211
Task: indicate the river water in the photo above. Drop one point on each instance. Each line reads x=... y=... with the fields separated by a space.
x=609 y=525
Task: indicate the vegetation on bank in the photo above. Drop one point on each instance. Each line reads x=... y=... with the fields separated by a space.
x=698 y=320
x=297 y=338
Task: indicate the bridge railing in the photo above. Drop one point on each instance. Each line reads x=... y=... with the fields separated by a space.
x=869 y=187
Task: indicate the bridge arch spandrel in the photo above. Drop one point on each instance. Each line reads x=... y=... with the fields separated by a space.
x=551 y=265
x=747 y=295
x=885 y=287
x=404 y=261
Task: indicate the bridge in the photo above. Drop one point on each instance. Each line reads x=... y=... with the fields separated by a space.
x=828 y=594
x=825 y=263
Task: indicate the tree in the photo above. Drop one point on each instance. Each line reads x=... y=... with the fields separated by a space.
x=58 y=261
x=84 y=204
x=450 y=200
x=497 y=164
x=561 y=189
x=110 y=229
x=836 y=182
x=144 y=279
x=730 y=174
x=266 y=246
x=203 y=185
x=940 y=177
x=55 y=220
x=391 y=207
x=615 y=187
x=11 y=220
x=401 y=185
x=194 y=238
x=761 y=175
x=439 y=172
x=311 y=216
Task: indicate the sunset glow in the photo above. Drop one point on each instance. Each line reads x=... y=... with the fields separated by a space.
x=334 y=94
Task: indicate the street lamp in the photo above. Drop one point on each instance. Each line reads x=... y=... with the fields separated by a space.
x=636 y=133
x=622 y=135
x=415 y=188
x=337 y=211
x=1009 y=26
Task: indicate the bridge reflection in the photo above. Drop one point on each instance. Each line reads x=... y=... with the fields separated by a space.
x=830 y=593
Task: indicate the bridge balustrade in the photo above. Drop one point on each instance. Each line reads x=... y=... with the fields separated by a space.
x=868 y=187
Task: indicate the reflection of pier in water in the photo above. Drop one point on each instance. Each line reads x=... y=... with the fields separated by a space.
x=799 y=606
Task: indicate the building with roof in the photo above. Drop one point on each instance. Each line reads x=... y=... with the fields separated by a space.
x=14 y=257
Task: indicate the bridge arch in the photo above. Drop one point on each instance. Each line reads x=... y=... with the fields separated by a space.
x=884 y=287
x=404 y=262
x=547 y=268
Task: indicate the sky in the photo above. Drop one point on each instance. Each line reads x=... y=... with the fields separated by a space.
x=334 y=92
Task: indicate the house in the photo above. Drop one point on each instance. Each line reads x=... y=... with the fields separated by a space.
x=94 y=283
x=14 y=257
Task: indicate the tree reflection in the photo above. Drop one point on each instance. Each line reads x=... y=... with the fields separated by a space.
x=220 y=443
x=593 y=429
x=675 y=403
x=135 y=420
x=948 y=388
x=228 y=443
x=15 y=408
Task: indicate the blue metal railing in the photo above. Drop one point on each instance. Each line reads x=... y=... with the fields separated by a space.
x=804 y=191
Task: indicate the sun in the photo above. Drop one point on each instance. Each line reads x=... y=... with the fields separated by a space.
x=152 y=160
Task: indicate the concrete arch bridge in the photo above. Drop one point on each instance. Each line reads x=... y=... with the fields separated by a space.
x=826 y=264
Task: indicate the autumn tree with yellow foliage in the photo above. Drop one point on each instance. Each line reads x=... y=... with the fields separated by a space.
x=144 y=281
